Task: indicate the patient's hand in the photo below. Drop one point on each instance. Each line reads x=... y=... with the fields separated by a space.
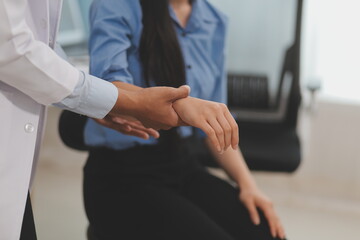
x=211 y=117
x=128 y=126
x=254 y=199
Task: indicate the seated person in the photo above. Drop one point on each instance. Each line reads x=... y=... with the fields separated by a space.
x=156 y=189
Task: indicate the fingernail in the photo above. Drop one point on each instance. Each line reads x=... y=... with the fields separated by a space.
x=118 y=120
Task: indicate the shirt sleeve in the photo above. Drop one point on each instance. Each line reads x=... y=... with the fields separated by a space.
x=92 y=97
x=220 y=93
x=110 y=39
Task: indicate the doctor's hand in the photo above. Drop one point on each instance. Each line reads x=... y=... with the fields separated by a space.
x=254 y=199
x=211 y=117
x=151 y=106
x=128 y=126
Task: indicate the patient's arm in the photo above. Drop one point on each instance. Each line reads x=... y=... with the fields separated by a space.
x=234 y=164
x=211 y=117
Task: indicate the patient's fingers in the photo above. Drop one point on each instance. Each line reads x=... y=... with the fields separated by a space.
x=234 y=128
x=271 y=217
x=281 y=231
x=227 y=131
x=219 y=131
x=210 y=132
x=253 y=212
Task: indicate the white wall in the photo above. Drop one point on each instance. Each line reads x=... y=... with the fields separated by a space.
x=332 y=47
x=259 y=34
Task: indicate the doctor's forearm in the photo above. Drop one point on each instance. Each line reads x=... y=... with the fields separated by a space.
x=126 y=86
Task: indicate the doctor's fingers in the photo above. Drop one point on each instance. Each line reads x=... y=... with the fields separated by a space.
x=134 y=124
x=138 y=126
x=123 y=127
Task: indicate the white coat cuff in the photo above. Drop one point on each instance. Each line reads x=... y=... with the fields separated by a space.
x=92 y=97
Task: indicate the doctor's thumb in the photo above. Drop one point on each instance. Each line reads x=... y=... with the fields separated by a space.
x=179 y=93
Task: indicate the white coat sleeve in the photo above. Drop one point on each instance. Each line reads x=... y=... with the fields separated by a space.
x=35 y=69
x=30 y=65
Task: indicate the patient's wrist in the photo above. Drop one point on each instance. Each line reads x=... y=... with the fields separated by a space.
x=247 y=184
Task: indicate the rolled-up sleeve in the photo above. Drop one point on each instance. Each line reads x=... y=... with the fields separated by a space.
x=109 y=40
x=220 y=93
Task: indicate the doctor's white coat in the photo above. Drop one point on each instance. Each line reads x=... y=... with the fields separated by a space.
x=31 y=77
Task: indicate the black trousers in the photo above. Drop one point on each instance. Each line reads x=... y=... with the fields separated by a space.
x=28 y=231
x=145 y=193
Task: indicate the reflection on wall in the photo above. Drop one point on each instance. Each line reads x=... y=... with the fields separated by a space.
x=74 y=27
x=259 y=34
x=332 y=49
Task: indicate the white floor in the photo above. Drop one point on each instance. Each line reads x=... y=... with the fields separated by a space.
x=320 y=201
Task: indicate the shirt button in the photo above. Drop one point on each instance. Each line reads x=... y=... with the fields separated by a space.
x=189 y=66
x=29 y=128
x=184 y=34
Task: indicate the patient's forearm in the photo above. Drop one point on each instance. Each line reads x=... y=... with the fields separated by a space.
x=234 y=164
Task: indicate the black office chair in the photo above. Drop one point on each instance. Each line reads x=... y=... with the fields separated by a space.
x=268 y=136
x=71 y=130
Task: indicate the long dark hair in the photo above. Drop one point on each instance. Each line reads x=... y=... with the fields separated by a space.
x=161 y=57
x=160 y=53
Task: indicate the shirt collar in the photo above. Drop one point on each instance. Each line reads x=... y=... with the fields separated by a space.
x=199 y=14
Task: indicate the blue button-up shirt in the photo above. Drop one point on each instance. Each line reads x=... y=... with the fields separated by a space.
x=116 y=27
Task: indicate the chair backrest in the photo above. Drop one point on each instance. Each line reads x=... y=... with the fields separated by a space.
x=292 y=64
x=264 y=44
x=71 y=130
